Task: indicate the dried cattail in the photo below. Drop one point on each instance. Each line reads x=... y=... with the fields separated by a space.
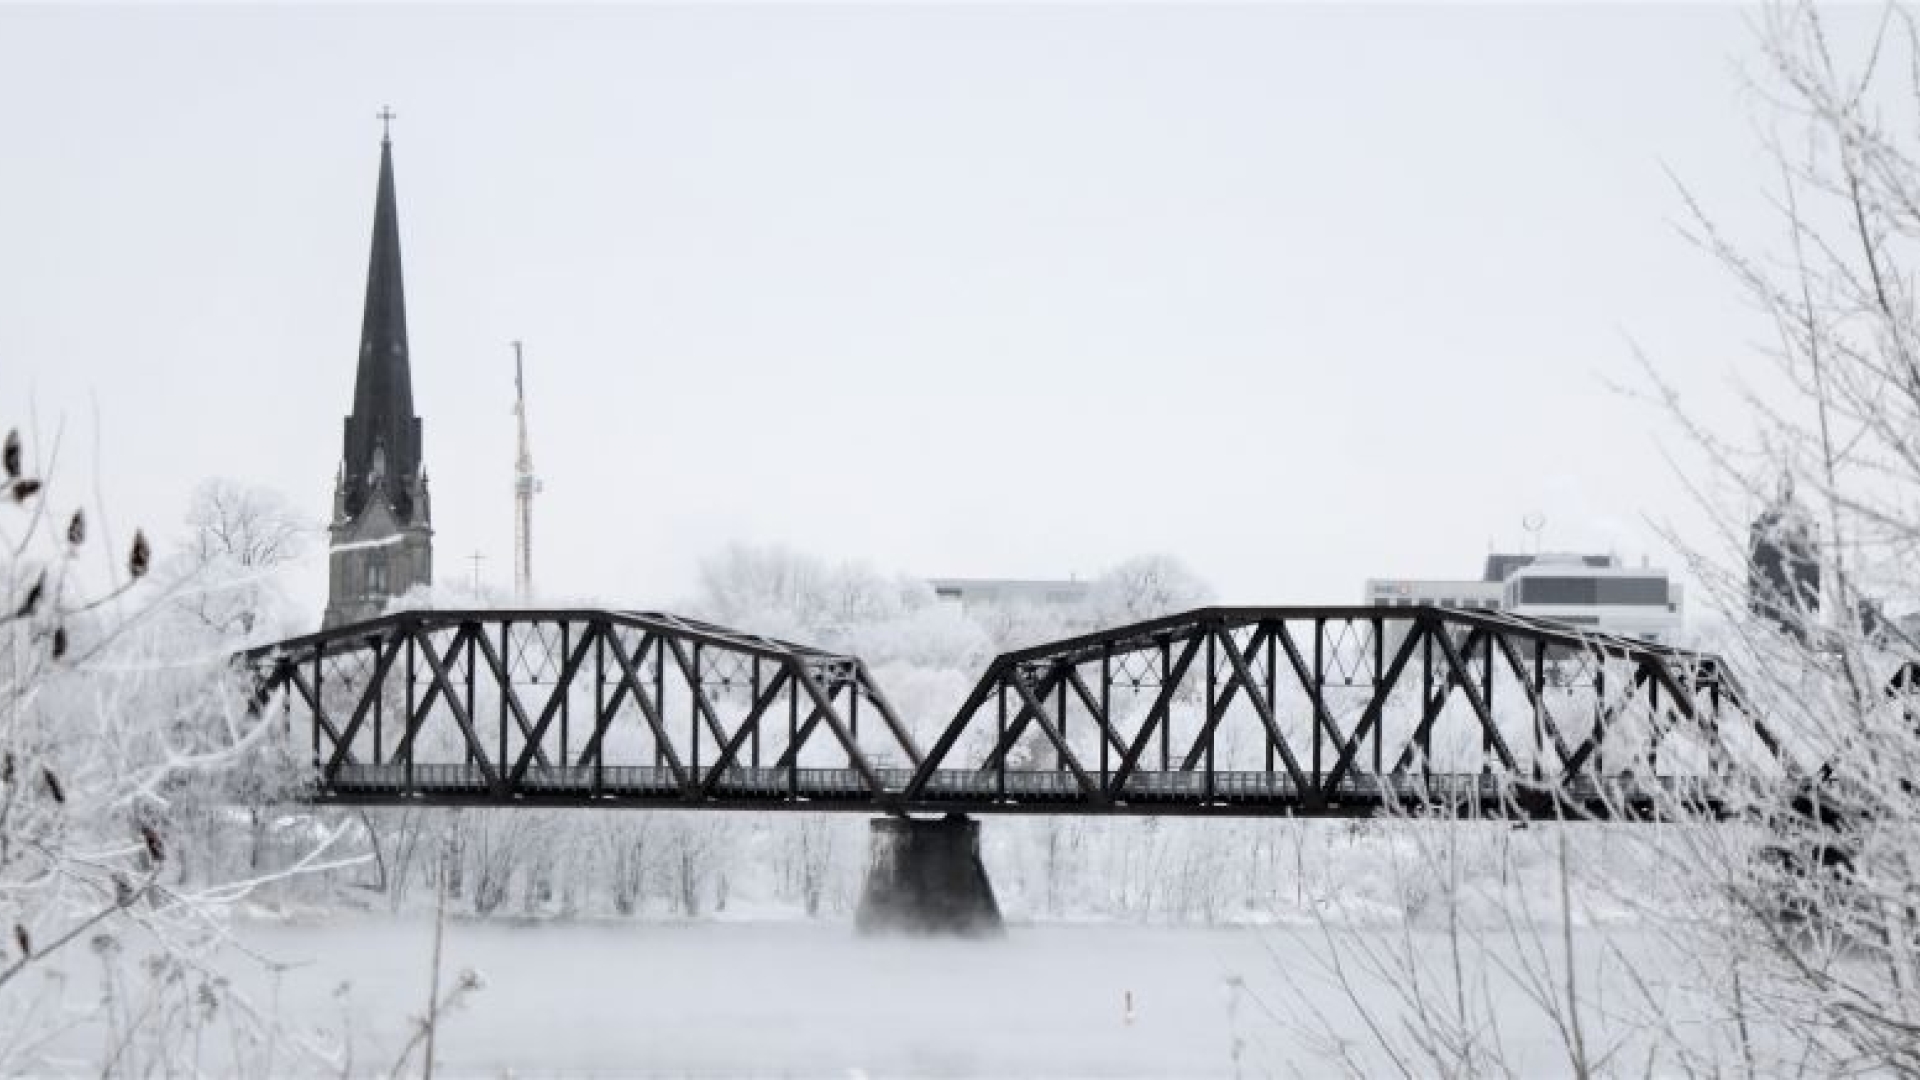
x=21 y=939
x=140 y=556
x=156 y=850
x=77 y=528
x=10 y=456
x=24 y=490
x=53 y=785
x=34 y=594
x=59 y=642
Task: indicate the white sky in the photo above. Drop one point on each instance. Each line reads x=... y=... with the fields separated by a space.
x=1301 y=295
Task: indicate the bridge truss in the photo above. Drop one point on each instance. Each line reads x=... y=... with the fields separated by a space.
x=1347 y=711
x=485 y=707
x=1343 y=711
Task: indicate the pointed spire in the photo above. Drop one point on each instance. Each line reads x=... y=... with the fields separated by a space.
x=381 y=538
x=383 y=386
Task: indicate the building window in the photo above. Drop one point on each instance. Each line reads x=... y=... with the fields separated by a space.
x=1634 y=591
x=1588 y=592
x=376 y=577
x=1578 y=591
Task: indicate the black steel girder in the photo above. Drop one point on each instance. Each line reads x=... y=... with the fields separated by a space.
x=1310 y=711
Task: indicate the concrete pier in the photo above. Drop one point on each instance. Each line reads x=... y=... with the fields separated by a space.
x=925 y=877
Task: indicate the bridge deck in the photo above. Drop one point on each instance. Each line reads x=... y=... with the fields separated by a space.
x=1247 y=794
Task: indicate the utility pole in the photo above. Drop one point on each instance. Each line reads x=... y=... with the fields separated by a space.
x=525 y=487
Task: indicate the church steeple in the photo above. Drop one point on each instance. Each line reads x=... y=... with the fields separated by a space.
x=383 y=386
x=382 y=518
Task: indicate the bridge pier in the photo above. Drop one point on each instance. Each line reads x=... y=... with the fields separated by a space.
x=924 y=876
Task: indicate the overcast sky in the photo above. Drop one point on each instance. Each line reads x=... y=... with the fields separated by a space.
x=1300 y=295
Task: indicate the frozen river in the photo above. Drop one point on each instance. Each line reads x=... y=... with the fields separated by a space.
x=812 y=999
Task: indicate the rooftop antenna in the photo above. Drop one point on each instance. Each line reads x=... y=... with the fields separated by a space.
x=525 y=487
x=1535 y=523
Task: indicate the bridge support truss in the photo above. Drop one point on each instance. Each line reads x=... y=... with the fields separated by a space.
x=1341 y=711
x=580 y=708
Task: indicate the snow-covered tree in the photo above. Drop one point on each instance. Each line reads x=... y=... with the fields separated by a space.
x=1786 y=926
x=1821 y=905
x=239 y=538
x=1145 y=587
x=117 y=705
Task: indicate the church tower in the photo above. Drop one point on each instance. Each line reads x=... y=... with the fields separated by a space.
x=382 y=532
x=1783 y=564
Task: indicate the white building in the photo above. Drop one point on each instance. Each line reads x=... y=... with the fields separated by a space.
x=1009 y=592
x=1400 y=592
x=1593 y=592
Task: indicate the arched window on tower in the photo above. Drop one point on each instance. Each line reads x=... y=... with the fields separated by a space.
x=376 y=577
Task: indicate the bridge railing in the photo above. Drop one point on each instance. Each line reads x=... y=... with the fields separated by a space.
x=1044 y=791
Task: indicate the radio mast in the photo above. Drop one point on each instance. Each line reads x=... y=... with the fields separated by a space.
x=525 y=487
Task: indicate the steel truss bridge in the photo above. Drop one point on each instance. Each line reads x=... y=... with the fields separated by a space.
x=1308 y=711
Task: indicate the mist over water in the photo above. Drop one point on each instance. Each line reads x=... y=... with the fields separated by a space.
x=781 y=998
x=810 y=999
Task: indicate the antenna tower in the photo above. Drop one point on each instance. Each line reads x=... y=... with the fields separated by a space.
x=525 y=487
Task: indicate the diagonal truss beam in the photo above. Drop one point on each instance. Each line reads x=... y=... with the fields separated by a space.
x=1223 y=697
x=424 y=707
x=1243 y=678
x=1100 y=718
x=1029 y=710
x=312 y=698
x=1603 y=719
x=1039 y=713
x=342 y=751
x=444 y=684
x=866 y=687
x=1156 y=715
x=832 y=717
x=1376 y=706
x=503 y=682
x=945 y=743
x=1309 y=685
x=562 y=686
x=1542 y=714
x=747 y=727
x=1475 y=698
x=701 y=705
x=628 y=682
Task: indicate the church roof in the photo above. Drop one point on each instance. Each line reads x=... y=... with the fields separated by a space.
x=382 y=434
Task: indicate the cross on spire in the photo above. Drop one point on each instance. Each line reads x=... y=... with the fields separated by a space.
x=386 y=116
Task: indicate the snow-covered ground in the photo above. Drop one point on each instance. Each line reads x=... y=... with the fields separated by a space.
x=793 y=998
